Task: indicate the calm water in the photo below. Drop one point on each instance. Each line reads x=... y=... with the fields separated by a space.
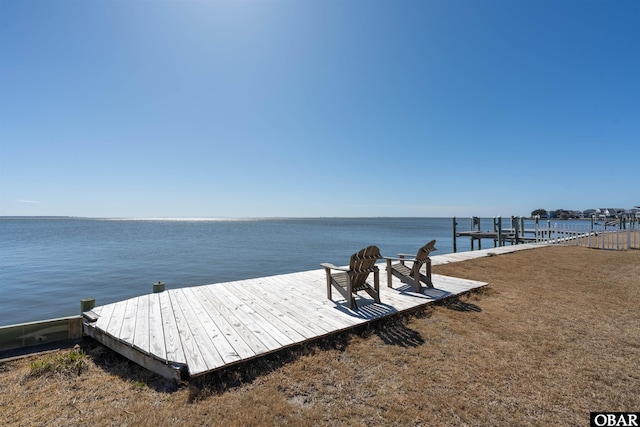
x=48 y=265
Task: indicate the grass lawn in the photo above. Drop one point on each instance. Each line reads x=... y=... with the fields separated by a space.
x=554 y=336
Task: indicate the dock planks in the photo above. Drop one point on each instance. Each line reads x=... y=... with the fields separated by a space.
x=205 y=328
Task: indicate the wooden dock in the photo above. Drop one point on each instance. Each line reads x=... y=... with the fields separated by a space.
x=196 y=330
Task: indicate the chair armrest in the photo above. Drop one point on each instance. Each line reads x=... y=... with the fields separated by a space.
x=327 y=265
x=399 y=259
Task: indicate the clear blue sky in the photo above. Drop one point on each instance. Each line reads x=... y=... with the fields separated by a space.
x=318 y=108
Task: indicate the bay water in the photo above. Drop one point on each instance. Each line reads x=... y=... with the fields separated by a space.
x=47 y=265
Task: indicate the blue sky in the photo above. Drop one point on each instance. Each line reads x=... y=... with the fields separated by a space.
x=318 y=108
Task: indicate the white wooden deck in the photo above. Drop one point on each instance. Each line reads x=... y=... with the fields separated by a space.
x=204 y=328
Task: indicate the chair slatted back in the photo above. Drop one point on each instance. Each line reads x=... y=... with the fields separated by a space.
x=362 y=263
x=423 y=255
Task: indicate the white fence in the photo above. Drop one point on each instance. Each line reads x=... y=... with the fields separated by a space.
x=592 y=236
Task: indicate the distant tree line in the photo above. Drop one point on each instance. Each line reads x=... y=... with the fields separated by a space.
x=558 y=213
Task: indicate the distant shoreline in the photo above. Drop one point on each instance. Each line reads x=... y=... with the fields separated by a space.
x=230 y=218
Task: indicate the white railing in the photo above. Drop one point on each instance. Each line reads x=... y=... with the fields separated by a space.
x=588 y=235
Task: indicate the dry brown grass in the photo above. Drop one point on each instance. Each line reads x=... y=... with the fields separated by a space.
x=555 y=336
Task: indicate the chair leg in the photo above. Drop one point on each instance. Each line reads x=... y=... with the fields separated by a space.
x=351 y=302
x=428 y=268
x=416 y=281
x=328 y=272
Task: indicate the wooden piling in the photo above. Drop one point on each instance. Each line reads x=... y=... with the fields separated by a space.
x=87 y=304
x=455 y=234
